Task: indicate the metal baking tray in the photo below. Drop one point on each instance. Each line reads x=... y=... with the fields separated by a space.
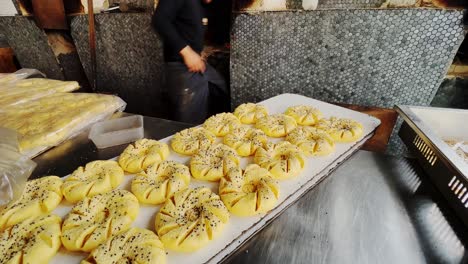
x=424 y=131
x=241 y=229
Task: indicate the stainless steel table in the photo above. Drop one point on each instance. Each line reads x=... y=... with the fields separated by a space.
x=372 y=209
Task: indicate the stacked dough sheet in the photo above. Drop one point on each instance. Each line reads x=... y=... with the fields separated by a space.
x=101 y=222
x=21 y=91
x=45 y=114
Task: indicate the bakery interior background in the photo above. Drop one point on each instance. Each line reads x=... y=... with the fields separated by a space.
x=345 y=51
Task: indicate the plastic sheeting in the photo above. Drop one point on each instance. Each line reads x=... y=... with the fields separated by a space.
x=48 y=121
x=15 y=168
x=44 y=113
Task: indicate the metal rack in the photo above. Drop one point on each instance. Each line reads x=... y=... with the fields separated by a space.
x=445 y=168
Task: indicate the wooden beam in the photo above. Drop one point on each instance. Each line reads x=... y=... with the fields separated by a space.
x=66 y=54
x=7 y=63
x=92 y=45
x=50 y=15
x=458 y=70
x=401 y=3
x=59 y=44
x=445 y=3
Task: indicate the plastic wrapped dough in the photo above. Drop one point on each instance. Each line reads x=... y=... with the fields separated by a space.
x=8 y=78
x=14 y=168
x=48 y=121
x=26 y=90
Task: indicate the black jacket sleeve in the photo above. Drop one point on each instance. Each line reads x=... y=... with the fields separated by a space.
x=163 y=22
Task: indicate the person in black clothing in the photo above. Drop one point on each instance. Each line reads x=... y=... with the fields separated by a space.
x=195 y=90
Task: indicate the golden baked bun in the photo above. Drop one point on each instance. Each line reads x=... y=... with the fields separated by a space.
x=143 y=153
x=96 y=177
x=341 y=129
x=249 y=113
x=245 y=140
x=35 y=240
x=137 y=245
x=304 y=115
x=191 y=219
x=189 y=141
x=213 y=163
x=249 y=193
x=276 y=125
x=312 y=141
x=283 y=160
x=222 y=123
x=95 y=219
x=160 y=181
x=39 y=197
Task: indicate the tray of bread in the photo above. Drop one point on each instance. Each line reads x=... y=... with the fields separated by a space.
x=194 y=197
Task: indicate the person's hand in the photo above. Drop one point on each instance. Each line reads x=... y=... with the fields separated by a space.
x=192 y=60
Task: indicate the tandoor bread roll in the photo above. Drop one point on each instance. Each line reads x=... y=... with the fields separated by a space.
x=191 y=219
x=276 y=125
x=284 y=160
x=137 y=245
x=94 y=220
x=248 y=193
x=39 y=197
x=160 y=181
x=213 y=163
x=35 y=240
x=312 y=141
x=189 y=141
x=221 y=124
x=96 y=177
x=245 y=140
x=249 y=113
x=304 y=115
x=341 y=129
x=145 y=152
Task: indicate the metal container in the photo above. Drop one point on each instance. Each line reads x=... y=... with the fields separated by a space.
x=424 y=132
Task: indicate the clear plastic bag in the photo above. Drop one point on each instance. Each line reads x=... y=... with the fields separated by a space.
x=15 y=168
x=19 y=75
x=8 y=139
x=25 y=90
x=48 y=121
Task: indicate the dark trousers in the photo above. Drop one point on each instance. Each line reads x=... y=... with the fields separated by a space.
x=193 y=97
